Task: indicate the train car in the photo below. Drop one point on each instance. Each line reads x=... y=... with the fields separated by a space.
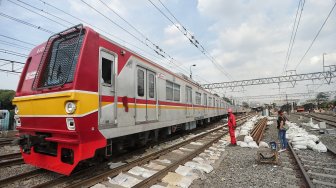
x=82 y=96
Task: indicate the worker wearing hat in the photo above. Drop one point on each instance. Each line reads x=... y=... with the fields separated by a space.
x=232 y=126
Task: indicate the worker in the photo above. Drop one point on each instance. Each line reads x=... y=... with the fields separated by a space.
x=282 y=130
x=232 y=126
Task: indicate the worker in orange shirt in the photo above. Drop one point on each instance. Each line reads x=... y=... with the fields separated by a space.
x=232 y=126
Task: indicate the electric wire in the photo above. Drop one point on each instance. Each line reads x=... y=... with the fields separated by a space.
x=26 y=23
x=317 y=34
x=172 y=60
x=99 y=29
x=13 y=53
x=156 y=48
x=45 y=12
x=293 y=34
x=17 y=40
x=191 y=38
x=37 y=13
x=13 y=45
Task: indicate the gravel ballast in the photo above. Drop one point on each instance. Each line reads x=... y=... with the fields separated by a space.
x=240 y=168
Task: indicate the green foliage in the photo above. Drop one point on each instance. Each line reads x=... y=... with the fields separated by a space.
x=245 y=105
x=321 y=99
x=227 y=100
x=6 y=97
x=309 y=106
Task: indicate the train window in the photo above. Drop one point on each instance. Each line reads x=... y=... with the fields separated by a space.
x=188 y=94
x=176 y=92
x=169 y=90
x=198 y=98
x=141 y=82
x=60 y=66
x=106 y=71
x=151 y=83
x=205 y=101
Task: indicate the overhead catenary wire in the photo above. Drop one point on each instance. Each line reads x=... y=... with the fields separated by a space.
x=12 y=53
x=17 y=40
x=317 y=34
x=154 y=47
x=191 y=38
x=14 y=45
x=293 y=34
x=172 y=60
x=37 y=13
x=98 y=28
x=26 y=23
x=45 y=12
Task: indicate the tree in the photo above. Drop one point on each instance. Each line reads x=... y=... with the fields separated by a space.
x=245 y=105
x=6 y=97
x=308 y=106
x=321 y=97
x=227 y=100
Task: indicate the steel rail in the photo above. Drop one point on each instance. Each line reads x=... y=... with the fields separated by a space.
x=5 y=142
x=258 y=130
x=140 y=161
x=159 y=175
x=12 y=179
x=13 y=162
x=10 y=156
x=302 y=169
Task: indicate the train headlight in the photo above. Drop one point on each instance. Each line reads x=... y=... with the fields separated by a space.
x=70 y=107
x=16 y=110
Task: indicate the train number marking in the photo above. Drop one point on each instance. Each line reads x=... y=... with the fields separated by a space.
x=40 y=50
x=160 y=75
x=30 y=75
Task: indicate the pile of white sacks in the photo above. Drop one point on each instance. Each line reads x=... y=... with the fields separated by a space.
x=245 y=131
x=300 y=139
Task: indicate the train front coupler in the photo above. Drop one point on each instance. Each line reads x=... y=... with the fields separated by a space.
x=26 y=142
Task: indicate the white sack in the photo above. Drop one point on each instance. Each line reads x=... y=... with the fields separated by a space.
x=124 y=180
x=312 y=137
x=304 y=143
x=248 y=139
x=320 y=147
x=239 y=142
x=300 y=147
x=298 y=138
x=244 y=145
x=203 y=167
x=311 y=144
x=243 y=132
x=263 y=144
x=252 y=144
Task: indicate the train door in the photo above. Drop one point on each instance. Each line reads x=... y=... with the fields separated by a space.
x=107 y=107
x=189 y=108
x=146 y=103
x=151 y=96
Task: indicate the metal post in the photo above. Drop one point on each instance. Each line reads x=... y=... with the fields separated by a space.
x=323 y=60
x=190 y=70
x=287 y=104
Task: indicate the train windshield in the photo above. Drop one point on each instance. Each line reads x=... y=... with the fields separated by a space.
x=61 y=59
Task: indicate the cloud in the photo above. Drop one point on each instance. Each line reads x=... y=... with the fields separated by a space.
x=173 y=36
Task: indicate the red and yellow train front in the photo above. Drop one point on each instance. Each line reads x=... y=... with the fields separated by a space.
x=57 y=102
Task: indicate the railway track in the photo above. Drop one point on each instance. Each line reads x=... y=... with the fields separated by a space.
x=329 y=119
x=318 y=169
x=92 y=176
x=258 y=130
x=5 y=141
x=10 y=160
x=12 y=179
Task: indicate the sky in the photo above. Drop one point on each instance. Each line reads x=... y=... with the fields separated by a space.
x=248 y=39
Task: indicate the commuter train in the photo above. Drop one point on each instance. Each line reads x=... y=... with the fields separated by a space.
x=82 y=96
